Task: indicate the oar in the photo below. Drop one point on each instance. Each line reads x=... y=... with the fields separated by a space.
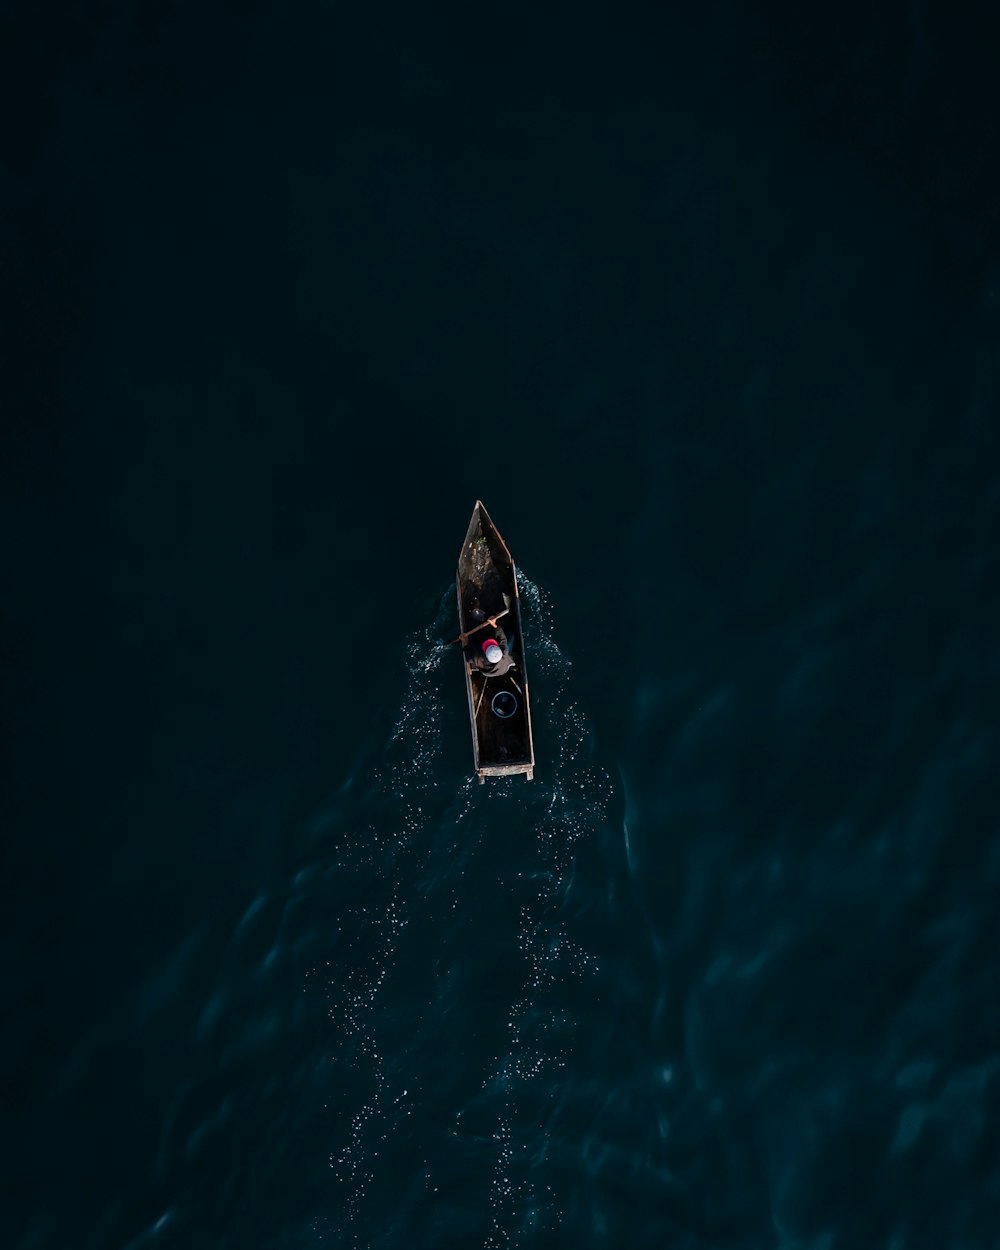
x=490 y=620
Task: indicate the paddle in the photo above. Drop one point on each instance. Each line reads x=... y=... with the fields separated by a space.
x=490 y=621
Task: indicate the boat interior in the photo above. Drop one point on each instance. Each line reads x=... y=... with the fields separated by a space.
x=498 y=705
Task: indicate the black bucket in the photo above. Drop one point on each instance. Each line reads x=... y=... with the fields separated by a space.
x=504 y=704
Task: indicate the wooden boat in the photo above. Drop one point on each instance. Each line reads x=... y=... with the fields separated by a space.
x=487 y=585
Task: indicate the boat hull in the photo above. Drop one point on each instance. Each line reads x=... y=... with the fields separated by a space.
x=486 y=584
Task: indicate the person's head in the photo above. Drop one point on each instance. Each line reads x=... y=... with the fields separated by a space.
x=492 y=650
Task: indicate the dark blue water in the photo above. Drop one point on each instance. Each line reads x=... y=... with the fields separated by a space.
x=705 y=309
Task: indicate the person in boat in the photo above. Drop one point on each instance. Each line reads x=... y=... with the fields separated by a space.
x=492 y=657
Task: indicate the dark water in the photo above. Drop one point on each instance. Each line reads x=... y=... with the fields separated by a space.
x=705 y=309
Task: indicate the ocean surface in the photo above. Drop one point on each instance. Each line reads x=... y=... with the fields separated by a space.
x=705 y=307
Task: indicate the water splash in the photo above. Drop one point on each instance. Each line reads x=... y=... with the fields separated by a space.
x=569 y=804
x=446 y=869
x=402 y=788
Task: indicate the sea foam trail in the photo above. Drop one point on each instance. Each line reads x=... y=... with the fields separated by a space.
x=568 y=802
x=376 y=912
x=453 y=957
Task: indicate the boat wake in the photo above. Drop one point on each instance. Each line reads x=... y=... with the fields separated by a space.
x=397 y=796
x=454 y=958
x=567 y=803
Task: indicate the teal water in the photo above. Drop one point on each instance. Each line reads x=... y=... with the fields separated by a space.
x=705 y=310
